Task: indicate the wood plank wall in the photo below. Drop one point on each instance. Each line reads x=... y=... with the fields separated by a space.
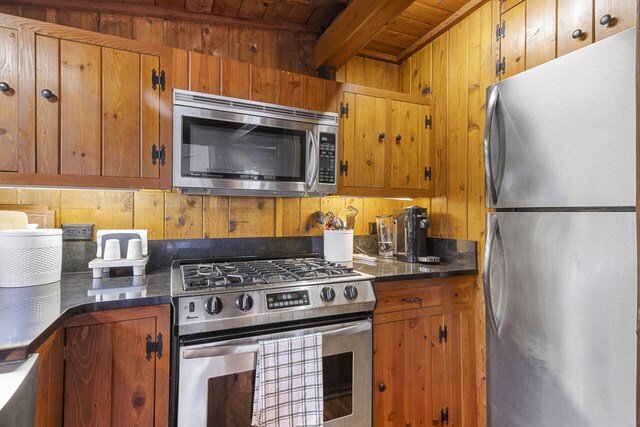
x=455 y=70
x=269 y=48
x=368 y=72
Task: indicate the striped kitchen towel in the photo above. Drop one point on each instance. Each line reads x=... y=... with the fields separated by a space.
x=288 y=387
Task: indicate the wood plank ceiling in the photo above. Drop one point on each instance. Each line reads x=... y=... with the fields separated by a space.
x=388 y=30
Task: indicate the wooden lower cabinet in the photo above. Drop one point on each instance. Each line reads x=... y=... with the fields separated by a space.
x=109 y=380
x=424 y=372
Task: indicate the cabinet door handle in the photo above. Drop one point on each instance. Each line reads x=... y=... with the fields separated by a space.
x=398 y=138
x=382 y=387
x=606 y=20
x=4 y=87
x=46 y=94
x=412 y=300
x=576 y=34
x=381 y=135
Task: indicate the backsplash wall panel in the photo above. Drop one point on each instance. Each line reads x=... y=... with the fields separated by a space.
x=169 y=215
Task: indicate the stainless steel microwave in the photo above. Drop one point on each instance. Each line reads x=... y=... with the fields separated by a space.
x=231 y=146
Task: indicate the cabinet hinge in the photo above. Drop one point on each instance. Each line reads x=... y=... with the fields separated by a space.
x=157 y=154
x=344 y=110
x=442 y=333
x=157 y=79
x=501 y=30
x=428 y=121
x=154 y=346
x=444 y=416
x=427 y=173
x=501 y=66
x=344 y=168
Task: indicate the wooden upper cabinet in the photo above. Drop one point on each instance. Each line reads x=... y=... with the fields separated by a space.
x=9 y=99
x=512 y=43
x=613 y=16
x=575 y=25
x=385 y=144
x=363 y=140
x=94 y=110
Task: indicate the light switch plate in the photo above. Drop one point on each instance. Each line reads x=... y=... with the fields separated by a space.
x=77 y=231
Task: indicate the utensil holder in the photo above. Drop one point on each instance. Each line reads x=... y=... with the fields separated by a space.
x=338 y=245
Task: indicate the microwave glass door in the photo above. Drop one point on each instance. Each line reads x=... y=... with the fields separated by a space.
x=220 y=149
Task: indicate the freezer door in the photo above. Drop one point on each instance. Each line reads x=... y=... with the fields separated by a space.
x=563 y=134
x=560 y=290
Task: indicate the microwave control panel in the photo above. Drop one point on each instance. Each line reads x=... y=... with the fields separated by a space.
x=327 y=158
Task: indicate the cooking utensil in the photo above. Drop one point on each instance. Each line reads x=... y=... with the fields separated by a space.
x=351 y=219
x=319 y=218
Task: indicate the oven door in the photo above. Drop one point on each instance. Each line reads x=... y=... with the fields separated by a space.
x=216 y=380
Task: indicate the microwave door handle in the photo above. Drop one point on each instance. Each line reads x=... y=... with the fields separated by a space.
x=312 y=161
x=251 y=345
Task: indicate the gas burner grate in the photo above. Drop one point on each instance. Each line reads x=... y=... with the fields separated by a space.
x=251 y=273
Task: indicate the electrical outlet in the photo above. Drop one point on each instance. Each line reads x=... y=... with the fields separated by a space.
x=372 y=228
x=77 y=231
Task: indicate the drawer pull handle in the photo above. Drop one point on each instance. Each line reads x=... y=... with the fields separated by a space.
x=412 y=300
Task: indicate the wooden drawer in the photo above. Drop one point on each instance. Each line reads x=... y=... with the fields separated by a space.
x=409 y=298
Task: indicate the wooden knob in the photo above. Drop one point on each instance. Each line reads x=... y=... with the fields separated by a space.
x=576 y=34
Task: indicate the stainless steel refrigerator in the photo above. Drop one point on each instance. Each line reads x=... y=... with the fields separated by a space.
x=560 y=259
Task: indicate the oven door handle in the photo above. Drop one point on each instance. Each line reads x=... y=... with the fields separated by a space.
x=251 y=345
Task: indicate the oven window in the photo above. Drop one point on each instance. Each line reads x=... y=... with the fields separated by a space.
x=230 y=397
x=219 y=149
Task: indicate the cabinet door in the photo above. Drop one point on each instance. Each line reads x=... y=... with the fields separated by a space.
x=408 y=386
x=575 y=25
x=408 y=146
x=613 y=16
x=459 y=369
x=47 y=105
x=512 y=45
x=8 y=100
x=363 y=141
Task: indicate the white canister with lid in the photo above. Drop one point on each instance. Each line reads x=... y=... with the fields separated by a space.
x=30 y=257
x=338 y=245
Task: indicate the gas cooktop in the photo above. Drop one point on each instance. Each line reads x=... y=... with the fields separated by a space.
x=199 y=276
x=218 y=295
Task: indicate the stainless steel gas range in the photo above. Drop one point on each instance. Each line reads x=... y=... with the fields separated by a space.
x=222 y=311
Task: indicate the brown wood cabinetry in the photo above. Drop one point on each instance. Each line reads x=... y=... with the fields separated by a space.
x=50 y=381
x=109 y=377
x=386 y=144
x=424 y=370
x=83 y=109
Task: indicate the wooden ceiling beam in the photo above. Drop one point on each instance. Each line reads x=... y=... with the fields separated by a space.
x=152 y=11
x=316 y=3
x=356 y=26
x=441 y=28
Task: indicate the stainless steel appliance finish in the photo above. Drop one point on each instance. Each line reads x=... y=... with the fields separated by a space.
x=560 y=258
x=232 y=146
x=222 y=309
x=571 y=119
x=206 y=371
x=410 y=227
x=561 y=346
x=18 y=392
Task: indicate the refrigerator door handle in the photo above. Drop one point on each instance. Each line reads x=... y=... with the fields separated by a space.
x=486 y=275
x=493 y=181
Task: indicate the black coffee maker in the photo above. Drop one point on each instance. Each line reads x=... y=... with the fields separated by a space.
x=410 y=234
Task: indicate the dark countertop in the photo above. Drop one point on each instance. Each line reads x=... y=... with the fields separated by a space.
x=29 y=315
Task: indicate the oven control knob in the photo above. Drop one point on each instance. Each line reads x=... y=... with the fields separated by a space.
x=350 y=292
x=244 y=302
x=327 y=294
x=213 y=305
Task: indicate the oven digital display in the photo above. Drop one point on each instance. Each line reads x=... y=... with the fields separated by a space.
x=287 y=299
